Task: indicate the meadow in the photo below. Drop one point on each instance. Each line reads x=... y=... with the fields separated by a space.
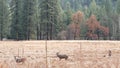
x=42 y=54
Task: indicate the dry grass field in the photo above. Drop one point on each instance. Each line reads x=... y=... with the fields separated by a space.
x=81 y=54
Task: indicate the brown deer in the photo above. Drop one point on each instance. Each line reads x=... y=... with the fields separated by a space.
x=62 y=56
x=19 y=59
x=109 y=53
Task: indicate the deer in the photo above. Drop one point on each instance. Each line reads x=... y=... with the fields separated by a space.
x=62 y=56
x=109 y=53
x=19 y=59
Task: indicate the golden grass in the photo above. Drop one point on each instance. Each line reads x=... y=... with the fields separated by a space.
x=82 y=54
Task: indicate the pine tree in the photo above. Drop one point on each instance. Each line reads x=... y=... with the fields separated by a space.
x=50 y=18
x=37 y=18
x=28 y=19
x=118 y=25
x=76 y=4
x=4 y=19
x=109 y=10
x=68 y=13
x=94 y=8
x=16 y=11
x=118 y=6
x=87 y=12
x=109 y=7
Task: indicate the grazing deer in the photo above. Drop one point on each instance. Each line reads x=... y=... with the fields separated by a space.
x=19 y=59
x=109 y=53
x=62 y=56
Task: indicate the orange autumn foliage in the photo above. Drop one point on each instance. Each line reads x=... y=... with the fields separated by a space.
x=94 y=25
x=92 y=36
x=74 y=27
x=105 y=30
x=77 y=17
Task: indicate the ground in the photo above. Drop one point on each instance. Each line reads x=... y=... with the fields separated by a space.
x=42 y=54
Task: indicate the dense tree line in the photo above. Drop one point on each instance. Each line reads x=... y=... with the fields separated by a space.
x=60 y=19
x=4 y=19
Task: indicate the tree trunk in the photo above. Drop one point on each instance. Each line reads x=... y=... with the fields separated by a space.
x=119 y=29
x=51 y=32
x=37 y=33
x=1 y=33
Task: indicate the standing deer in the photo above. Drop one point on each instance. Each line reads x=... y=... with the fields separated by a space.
x=19 y=59
x=109 y=53
x=62 y=56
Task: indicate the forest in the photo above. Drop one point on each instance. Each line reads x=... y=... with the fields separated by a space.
x=60 y=19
